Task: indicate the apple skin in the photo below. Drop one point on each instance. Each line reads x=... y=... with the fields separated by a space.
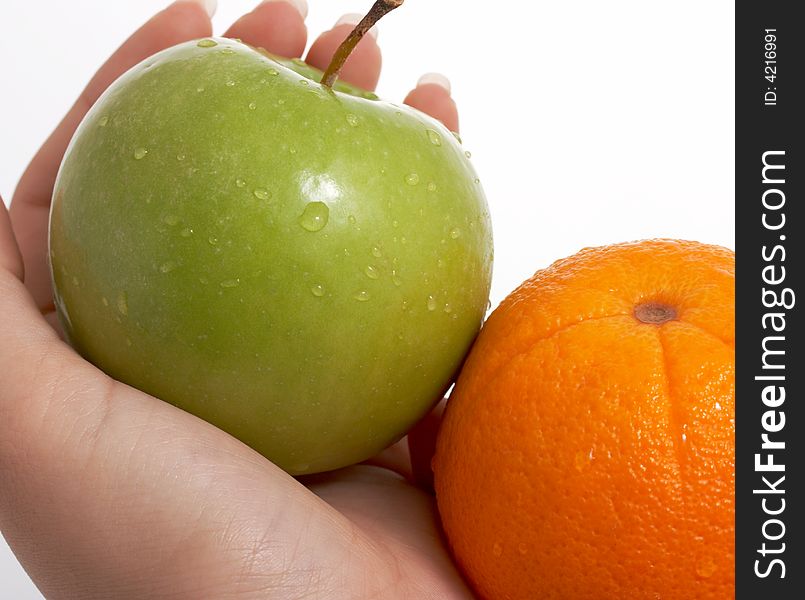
x=304 y=268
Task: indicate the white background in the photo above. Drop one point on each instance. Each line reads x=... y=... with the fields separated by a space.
x=590 y=122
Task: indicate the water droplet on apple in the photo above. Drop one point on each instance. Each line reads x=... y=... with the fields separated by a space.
x=76 y=282
x=448 y=309
x=434 y=138
x=273 y=72
x=405 y=304
x=180 y=157
x=395 y=278
x=315 y=216
x=431 y=187
x=468 y=154
x=362 y=296
x=103 y=121
x=431 y=303
x=104 y=301
x=200 y=89
x=298 y=62
x=455 y=233
x=230 y=283
x=167 y=267
x=261 y=194
x=171 y=220
x=371 y=272
x=352 y=120
x=206 y=43
x=212 y=240
x=376 y=252
x=477 y=180
x=497 y=550
x=227 y=51
x=230 y=83
x=252 y=105
x=186 y=232
x=304 y=82
x=122 y=304
x=281 y=101
x=458 y=137
x=140 y=153
x=412 y=179
x=317 y=290
x=351 y=219
x=522 y=548
x=241 y=183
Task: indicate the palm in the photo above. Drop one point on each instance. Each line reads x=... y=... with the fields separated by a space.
x=403 y=518
x=108 y=492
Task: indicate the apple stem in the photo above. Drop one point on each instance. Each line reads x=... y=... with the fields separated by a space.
x=377 y=12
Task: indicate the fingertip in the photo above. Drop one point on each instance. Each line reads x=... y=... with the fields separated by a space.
x=276 y=25
x=209 y=6
x=300 y=6
x=184 y=20
x=432 y=96
x=436 y=79
x=363 y=65
x=353 y=19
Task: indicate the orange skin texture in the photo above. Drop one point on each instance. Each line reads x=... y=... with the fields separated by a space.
x=587 y=454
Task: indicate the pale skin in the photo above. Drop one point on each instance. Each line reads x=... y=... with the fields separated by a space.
x=106 y=492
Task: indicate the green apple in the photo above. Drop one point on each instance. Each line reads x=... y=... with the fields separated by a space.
x=303 y=267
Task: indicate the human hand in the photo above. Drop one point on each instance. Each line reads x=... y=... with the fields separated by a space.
x=107 y=492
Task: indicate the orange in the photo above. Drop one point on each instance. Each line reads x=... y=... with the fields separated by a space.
x=588 y=448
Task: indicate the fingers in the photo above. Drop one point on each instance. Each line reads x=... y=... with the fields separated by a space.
x=394 y=458
x=432 y=97
x=422 y=446
x=275 y=25
x=411 y=456
x=10 y=257
x=20 y=320
x=181 y=21
x=362 y=67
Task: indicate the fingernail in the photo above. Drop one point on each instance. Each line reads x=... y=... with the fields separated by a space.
x=300 y=5
x=435 y=79
x=209 y=6
x=355 y=18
